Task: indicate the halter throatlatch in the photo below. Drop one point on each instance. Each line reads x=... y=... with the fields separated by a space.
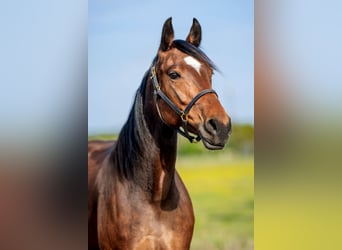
x=183 y=114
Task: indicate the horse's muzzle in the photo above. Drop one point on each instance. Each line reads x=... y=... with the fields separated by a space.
x=215 y=134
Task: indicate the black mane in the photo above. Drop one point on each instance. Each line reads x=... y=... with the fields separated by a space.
x=135 y=143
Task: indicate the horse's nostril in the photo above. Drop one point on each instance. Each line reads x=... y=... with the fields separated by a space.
x=217 y=128
x=211 y=125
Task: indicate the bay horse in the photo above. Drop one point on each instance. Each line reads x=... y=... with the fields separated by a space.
x=136 y=199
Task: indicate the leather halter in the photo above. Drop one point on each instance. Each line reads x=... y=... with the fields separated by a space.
x=183 y=114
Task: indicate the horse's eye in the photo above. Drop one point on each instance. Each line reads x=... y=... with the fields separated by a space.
x=174 y=75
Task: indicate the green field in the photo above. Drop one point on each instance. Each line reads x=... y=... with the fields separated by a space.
x=222 y=192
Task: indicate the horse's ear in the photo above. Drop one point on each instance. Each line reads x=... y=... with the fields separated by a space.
x=195 y=34
x=167 y=35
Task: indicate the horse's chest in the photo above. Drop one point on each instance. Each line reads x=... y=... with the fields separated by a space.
x=156 y=235
x=152 y=228
x=163 y=230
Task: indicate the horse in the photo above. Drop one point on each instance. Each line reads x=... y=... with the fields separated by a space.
x=136 y=198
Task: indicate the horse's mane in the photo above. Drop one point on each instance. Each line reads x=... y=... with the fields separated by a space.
x=135 y=143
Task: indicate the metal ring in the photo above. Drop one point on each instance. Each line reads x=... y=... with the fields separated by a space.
x=184 y=116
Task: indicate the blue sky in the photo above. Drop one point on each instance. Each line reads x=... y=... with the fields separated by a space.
x=123 y=38
x=43 y=66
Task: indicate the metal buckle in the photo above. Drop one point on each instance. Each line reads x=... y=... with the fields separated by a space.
x=184 y=116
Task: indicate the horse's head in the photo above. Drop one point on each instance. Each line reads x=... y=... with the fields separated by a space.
x=182 y=79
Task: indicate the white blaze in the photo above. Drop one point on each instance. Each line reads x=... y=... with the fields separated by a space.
x=193 y=62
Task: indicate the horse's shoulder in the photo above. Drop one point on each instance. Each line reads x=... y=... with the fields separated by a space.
x=97 y=152
x=97 y=148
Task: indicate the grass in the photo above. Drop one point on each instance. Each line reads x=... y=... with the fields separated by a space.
x=222 y=192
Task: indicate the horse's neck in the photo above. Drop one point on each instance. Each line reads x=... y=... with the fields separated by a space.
x=165 y=139
x=146 y=149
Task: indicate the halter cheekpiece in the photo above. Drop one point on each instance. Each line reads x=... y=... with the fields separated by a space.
x=183 y=114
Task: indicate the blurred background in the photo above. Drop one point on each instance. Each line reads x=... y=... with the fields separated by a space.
x=123 y=38
x=298 y=124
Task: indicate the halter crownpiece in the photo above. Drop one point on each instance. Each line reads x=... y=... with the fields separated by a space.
x=183 y=114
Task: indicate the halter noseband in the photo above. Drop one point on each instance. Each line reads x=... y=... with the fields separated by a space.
x=182 y=114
